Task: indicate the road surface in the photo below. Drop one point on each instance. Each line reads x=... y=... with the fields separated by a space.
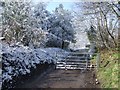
x=64 y=79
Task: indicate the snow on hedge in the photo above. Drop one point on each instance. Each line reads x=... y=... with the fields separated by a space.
x=18 y=60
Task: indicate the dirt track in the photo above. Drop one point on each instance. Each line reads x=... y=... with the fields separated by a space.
x=64 y=79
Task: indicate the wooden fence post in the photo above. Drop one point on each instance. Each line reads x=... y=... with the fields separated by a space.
x=98 y=60
x=86 y=60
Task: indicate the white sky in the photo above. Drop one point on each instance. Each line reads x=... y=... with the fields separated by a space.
x=52 y=4
x=66 y=3
x=73 y=0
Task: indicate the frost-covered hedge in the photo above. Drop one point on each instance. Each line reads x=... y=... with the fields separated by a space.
x=19 y=60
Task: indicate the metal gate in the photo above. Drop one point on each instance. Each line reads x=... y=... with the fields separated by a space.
x=76 y=61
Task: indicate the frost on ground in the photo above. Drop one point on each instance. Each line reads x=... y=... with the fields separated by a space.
x=17 y=60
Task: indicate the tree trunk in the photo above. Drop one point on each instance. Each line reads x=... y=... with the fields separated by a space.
x=107 y=29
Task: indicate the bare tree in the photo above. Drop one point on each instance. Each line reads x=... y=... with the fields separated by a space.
x=105 y=19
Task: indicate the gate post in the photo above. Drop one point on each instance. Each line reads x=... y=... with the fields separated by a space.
x=98 y=60
x=87 y=60
x=65 y=64
x=56 y=60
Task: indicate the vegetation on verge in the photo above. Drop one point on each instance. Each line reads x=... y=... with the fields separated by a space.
x=108 y=72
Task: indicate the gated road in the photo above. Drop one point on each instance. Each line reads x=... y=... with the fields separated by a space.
x=69 y=74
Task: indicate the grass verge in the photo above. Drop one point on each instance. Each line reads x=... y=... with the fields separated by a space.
x=108 y=72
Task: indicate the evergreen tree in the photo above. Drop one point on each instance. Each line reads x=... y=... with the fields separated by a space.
x=61 y=26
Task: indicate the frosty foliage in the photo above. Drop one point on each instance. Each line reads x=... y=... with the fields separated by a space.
x=18 y=23
x=24 y=22
x=27 y=29
x=19 y=60
x=61 y=25
x=42 y=16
